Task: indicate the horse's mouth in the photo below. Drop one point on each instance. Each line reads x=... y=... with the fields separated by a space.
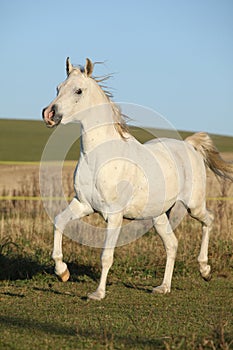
x=51 y=118
x=52 y=123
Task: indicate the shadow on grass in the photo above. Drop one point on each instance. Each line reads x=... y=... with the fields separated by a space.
x=46 y=327
x=145 y=289
x=111 y=338
x=78 y=271
x=18 y=267
x=103 y=337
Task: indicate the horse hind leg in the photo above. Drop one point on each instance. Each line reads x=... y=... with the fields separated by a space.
x=206 y=218
x=205 y=269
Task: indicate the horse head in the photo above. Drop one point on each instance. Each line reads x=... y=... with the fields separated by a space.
x=74 y=95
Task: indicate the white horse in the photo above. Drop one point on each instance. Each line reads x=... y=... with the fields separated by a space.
x=119 y=177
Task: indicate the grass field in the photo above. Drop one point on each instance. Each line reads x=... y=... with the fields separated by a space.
x=25 y=140
x=39 y=312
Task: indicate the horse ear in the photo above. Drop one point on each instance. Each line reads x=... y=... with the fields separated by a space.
x=69 y=66
x=89 y=67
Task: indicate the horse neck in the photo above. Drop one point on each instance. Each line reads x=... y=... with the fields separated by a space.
x=98 y=127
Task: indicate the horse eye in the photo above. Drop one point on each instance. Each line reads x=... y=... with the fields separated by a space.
x=78 y=92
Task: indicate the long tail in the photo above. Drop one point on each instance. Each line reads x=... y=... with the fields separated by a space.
x=205 y=146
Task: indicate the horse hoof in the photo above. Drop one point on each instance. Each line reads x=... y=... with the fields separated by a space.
x=98 y=295
x=163 y=289
x=64 y=276
x=207 y=278
x=206 y=275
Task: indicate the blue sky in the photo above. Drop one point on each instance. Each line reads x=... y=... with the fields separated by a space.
x=175 y=57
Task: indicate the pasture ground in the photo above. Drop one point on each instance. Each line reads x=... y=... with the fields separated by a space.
x=39 y=312
x=43 y=313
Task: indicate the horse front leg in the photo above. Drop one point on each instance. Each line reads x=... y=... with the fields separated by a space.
x=61 y=269
x=170 y=242
x=113 y=230
x=75 y=210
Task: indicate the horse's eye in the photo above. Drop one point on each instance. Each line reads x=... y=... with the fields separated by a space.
x=78 y=91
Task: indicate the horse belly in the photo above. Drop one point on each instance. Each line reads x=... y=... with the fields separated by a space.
x=138 y=192
x=150 y=203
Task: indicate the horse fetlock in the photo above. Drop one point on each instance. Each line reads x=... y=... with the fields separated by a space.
x=163 y=289
x=57 y=256
x=61 y=270
x=99 y=294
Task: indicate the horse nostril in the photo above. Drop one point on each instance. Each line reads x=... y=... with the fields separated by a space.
x=53 y=113
x=43 y=112
x=54 y=109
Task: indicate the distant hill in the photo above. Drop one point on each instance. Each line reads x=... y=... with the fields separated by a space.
x=22 y=140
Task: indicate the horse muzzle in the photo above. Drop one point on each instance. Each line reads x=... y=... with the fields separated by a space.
x=51 y=116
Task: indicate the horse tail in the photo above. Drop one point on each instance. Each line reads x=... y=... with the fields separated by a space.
x=203 y=144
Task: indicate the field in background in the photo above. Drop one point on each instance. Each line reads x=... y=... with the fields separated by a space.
x=39 y=312
x=25 y=140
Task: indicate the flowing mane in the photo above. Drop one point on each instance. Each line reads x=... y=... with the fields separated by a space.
x=120 y=122
x=119 y=118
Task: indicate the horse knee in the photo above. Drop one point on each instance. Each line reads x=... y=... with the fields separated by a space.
x=107 y=259
x=209 y=219
x=204 y=216
x=63 y=218
x=175 y=244
x=172 y=247
x=60 y=222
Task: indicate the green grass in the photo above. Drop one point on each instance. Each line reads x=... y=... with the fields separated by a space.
x=22 y=140
x=43 y=313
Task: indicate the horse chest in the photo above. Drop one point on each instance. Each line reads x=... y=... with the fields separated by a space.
x=85 y=186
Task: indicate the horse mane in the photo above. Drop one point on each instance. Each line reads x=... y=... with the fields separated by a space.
x=119 y=118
